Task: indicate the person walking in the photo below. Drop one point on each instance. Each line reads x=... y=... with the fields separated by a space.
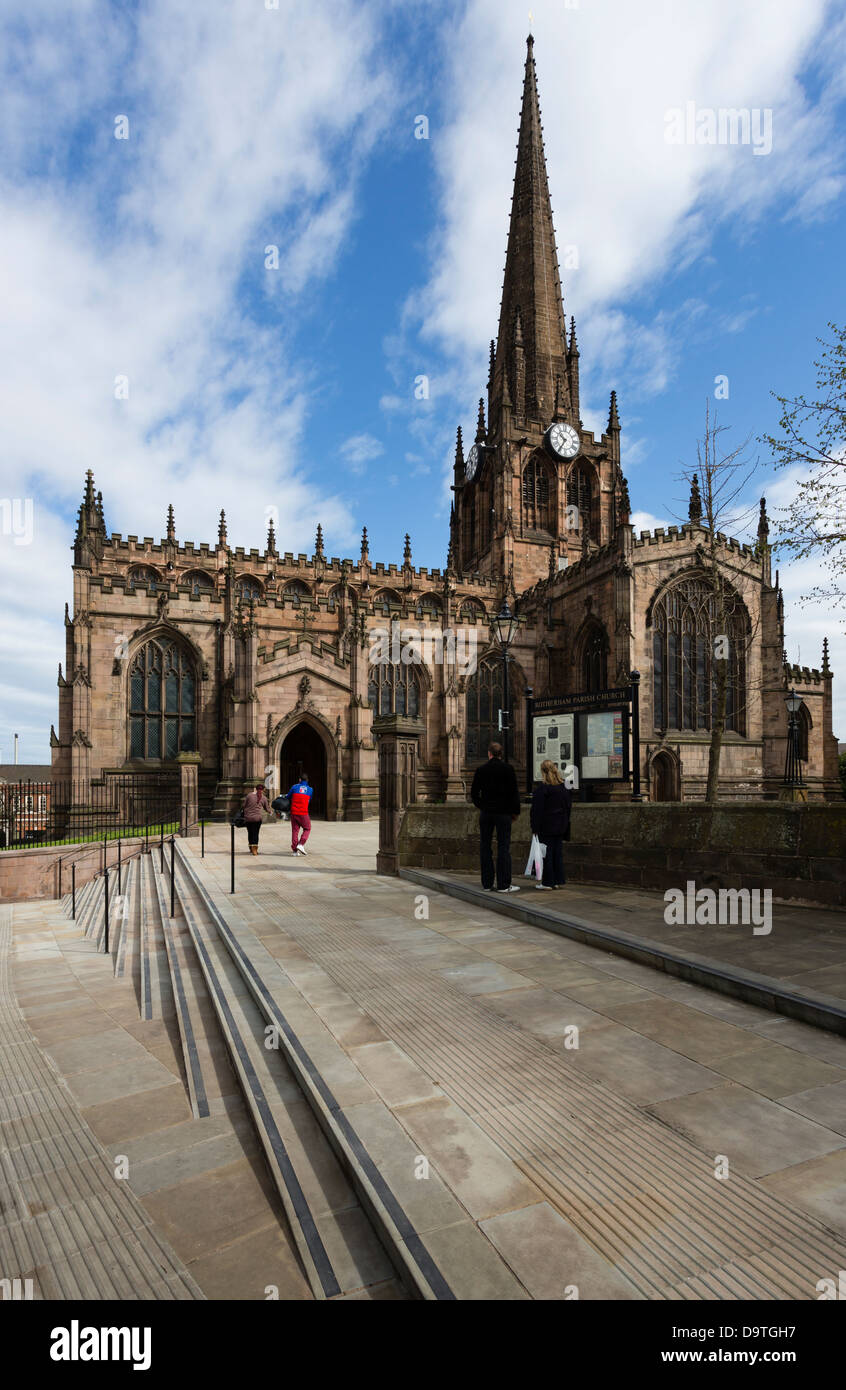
x=254 y=803
x=299 y=797
x=551 y=802
x=495 y=795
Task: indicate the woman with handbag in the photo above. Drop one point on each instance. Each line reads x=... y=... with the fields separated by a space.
x=551 y=802
x=254 y=803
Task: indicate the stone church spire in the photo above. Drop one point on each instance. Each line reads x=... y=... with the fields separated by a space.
x=90 y=525
x=532 y=286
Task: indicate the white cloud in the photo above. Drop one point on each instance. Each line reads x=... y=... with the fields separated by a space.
x=634 y=207
x=361 y=449
x=645 y=521
x=248 y=127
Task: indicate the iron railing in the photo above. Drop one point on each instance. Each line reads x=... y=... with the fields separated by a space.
x=118 y=805
x=148 y=845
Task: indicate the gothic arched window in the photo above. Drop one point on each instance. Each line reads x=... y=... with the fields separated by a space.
x=685 y=646
x=428 y=606
x=295 y=591
x=199 y=582
x=536 y=493
x=248 y=589
x=143 y=576
x=162 y=702
x=472 y=611
x=594 y=659
x=394 y=689
x=483 y=702
x=580 y=496
x=387 y=601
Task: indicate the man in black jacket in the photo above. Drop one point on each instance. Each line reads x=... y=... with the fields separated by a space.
x=495 y=793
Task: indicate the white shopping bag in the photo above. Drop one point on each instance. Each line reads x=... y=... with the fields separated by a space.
x=534 y=863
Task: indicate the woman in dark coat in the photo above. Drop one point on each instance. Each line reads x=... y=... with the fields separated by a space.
x=254 y=803
x=551 y=802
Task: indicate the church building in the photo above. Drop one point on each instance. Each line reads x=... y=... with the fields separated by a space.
x=261 y=661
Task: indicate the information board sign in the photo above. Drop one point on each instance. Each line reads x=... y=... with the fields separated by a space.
x=601 y=745
x=553 y=738
x=592 y=735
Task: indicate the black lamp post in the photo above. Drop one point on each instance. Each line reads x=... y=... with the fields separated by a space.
x=505 y=625
x=793 y=763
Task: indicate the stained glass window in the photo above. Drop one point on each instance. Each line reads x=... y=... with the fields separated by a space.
x=482 y=705
x=686 y=648
x=394 y=690
x=162 y=691
x=594 y=659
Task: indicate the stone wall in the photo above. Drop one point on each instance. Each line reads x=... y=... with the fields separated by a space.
x=797 y=851
x=34 y=873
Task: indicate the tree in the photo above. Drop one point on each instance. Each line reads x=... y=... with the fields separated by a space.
x=843 y=773
x=718 y=482
x=813 y=442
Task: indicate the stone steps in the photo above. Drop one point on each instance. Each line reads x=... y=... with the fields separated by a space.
x=155 y=980
x=92 y=906
x=125 y=947
x=120 y=920
x=191 y=1004
x=338 y=1247
x=358 y=1125
x=351 y=1231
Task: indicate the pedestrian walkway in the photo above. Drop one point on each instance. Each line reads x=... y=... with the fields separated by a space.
x=796 y=967
x=604 y=1126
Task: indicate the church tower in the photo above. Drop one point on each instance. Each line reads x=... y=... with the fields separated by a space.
x=534 y=481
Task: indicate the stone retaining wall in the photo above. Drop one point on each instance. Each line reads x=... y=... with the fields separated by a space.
x=34 y=873
x=797 y=851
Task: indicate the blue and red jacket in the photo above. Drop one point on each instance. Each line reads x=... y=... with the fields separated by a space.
x=299 y=797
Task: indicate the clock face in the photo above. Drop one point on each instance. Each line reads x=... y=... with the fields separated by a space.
x=563 y=440
x=472 y=464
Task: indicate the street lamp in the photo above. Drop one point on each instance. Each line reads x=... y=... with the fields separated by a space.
x=505 y=625
x=793 y=763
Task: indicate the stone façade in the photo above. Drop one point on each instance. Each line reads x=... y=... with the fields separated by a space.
x=279 y=643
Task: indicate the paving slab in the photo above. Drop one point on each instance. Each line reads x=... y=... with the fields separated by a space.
x=392 y=1074
x=825 y=1104
x=817 y=1186
x=757 y=1135
x=798 y=968
x=773 y=1070
x=484 y=1179
x=551 y=1259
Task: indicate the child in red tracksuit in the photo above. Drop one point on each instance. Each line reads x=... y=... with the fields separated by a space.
x=299 y=796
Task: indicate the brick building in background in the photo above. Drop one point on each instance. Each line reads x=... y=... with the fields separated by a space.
x=26 y=795
x=255 y=659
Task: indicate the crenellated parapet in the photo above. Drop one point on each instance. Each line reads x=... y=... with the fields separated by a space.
x=672 y=534
x=804 y=675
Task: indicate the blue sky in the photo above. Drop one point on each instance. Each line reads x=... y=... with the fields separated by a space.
x=251 y=388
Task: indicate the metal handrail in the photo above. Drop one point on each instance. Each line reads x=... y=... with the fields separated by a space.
x=93 y=879
x=96 y=845
x=141 y=849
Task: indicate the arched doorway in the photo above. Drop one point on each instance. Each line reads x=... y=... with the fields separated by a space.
x=664 y=779
x=303 y=752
